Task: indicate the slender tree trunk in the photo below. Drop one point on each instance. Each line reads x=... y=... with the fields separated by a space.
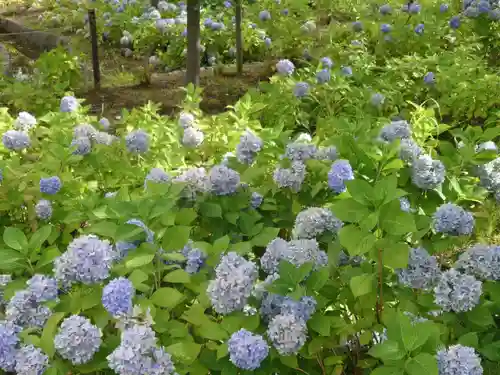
x=193 y=39
x=239 y=39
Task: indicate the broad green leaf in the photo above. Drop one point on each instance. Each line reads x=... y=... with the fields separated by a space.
x=137 y=277
x=469 y=339
x=318 y=279
x=361 y=191
x=178 y=276
x=185 y=216
x=321 y=324
x=422 y=364
x=212 y=331
x=265 y=236
x=355 y=240
x=395 y=254
x=167 y=297
x=47 y=257
x=491 y=351
x=49 y=332
x=16 y=239
x=210 y=210
x=480 y=316
x=292 y=275
x=39 y=237
x=103 y=228
x=387 y=370
x=136 y=260
x=394 y=221
x=11 y=260
x=387 y=351
x=221 y=244
x=196 y=315
x=361 y=285
x=184 y=352
x=290 y=361
x=175 y=238
x=385 y=189
x=413 y=336
x=129 y=233
x=348 y=210
x=222 y=351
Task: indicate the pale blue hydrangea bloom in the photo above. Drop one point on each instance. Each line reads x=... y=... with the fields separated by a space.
x=8 y=345
x=377 y=99
x=302 y=309
x=50 y=185
x=487 y=146
x=419 y=29
x=195 y=258
x=323 y=76
x=31 y=361
x=4 y=281
x=84 y=130
x=430 y=78
x=489 y=175
x=16 y=140
x=69 y=104
x=457 y=292
x=264 y=15
x=43 y=209
x=105 y=123
x=223 y=180
x=77 y=340
x=385 y=9
x=340 y=172
x=301 y=89
x=256 y=200
x=422 y=271
x=276 y=250
x=234 y=279
x=357 y=26
x=455 y=22
x=385 y=28
x=137 y=142
x=287 y=333
x=481 y=261
x=409 y=150
x=196 y=181
x=459 y=360
x=453 y=220
x=103 y=138
x=44 y=288
x=24 y=310
x=399 y=129
x=81 y=145
x=192 y=137
x=404 y=203
x=285 y=67
x=246 y=350
x=346 y=71
x=117 y=296
x=156 y=175
x=427 y=173
x=443 y=8
x=314 y=221
x=186 y=120
x=298 y=151
x=25 y=121
x=414 y=8
x=87 y=259
x=248 y=147
x=271 y=305
x=326 y=62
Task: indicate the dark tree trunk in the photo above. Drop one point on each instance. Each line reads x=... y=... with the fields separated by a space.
x=239 y=39
x=193 y=39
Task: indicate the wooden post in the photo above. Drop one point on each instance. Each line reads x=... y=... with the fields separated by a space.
x=239 y=39
x=95 y=49
x=193 y=41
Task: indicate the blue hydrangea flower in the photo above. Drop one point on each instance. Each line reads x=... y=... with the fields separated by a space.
x=25 y=121
x=455 y=22
x=326 y=62
x=4 y=281
x=256 y=200
x=223 y=180
x=186 y=120
x=69 y=104
x=298 y=151
x=44 y=288
x=323 y=76
x=409 y=150
x=340 y=172
x=16 y=140
x=81 y=145
x=481 y=261
x=287 y=333
x=357 y=26
x=414 y=8
x=429 y=78
x=326 y=153
x=427 y=173
x=276 y=250
x=302 y=309
x=248 y=147
x=8 y=345
x=487 y=146
x=43 y=209
x=453 y=220
x=50 y=185
x=156 y=175
x=404 y=203
x=314 y=221
x=301 y=89
x=84 y=130
x=385 y=28
x=196 y=181
x=31 y=361
x=422 y=271
x=399 y=129
x=459 y=360
x=137 y=142
x=193 y=137
x=489 y=175
x=377 y=99
x=87 y=259
x=234 y=279
x=457 y=292
x=443 y=8
x=77 y=340
x=103 y=138
x=117 y=296
x=267 y=42
x=346 y=71
x=105 y=123
x=24 y=310
x=285 y=67
x=264 y=15
x=246 y=350
x=195 y=259
x=385 y=9
x=419 y=29
x=292 y=177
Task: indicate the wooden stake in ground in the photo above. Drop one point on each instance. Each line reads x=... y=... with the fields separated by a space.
x=95 y=49
x=193 y=40
x=239 y=38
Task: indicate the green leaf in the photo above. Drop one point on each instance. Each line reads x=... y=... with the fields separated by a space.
x=47 y=256
x=222 y=351
x=395 y=254
x=16 y=239
x=361 y=191
x=318 y=279
x=356 y=241
x=210 y=210
x=39 y=237
x=387 y=370
x=178 y=276
x=176 y=237
x=138 y=259
x=385 y=189
x=10 y=260
x=469 y=339
x=413 y=336
x=292 y=275
x=348 y=210
x=103 y=228
x=290 y=361
x=491 y=351
x=265 y=236
x=212 y=331
x=185 y=216
x=184 y=352
x=221 y=244
x=167 y=297
x=321 y=324
x=422 y=364
x=480 y=316
x=129 y=233
x=394 y=221
x=49 y=332
x=361 y=285
x=387 y=351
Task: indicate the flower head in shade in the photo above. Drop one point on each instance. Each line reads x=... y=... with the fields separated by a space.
x=399 y=129
x=357 y=26
x=50 y=185
x=69 y=104
x=419 y=29
x=302 y=309
x=346 y=71
x=246 y=350
x=77 y=340
x=31 y=361
x=43 y=209
x=25 y=122
x=453 y=220
x=264 y=15
x=481 y=261
x=298 y=151
x=459 y=360
x=81 y=146
x=292 y=177
x=192 y=137
x=377 y=99
x=248 y=147
x=285 y=67
x=256 y=200
x=195 y=259
x=422 y=271
x=427 y=173
x=314 y=221
x=301 y=89
x=276 y=250
x=429 y=78
x=16 y=140
x=326 y=62
x=24 y=310
x=323 y=76
x=443 y=8
x=385 y=9
x=340 y=172
x=385 y=28
x=414 y=8
x=455 y=22
x=409 y=150
x=457 y=292
x=223 y=180
x=137 y=142
x=8 y=345
x=287 y=333
x=117 y=296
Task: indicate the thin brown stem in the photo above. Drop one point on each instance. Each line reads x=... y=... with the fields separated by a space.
x=320 y=363
x=302 y=371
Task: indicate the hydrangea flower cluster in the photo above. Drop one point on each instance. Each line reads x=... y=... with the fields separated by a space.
x=298 y=151
x=248 y=147
x=256 y=200
x=186 y=120
x=288 y=333
x=87 y=259
x=489 y=175
x=4 y=281
x=50 y=185
x=192 y=137
x=457 y=292
x=43 y=209
x=77 y=340
x=326 y=153
x=195 y=258
x=459 y=360
x=292 y=177
x=285 y=67
x=117 y=296
x=340 y=172
x=234 y=279
x=422 y=271
x=399 y=129
x=314 y=221
x=137 y=142
x=9 y=341
x=453 y=220
x=25 y=122
x=481 y=261
x=196 y=181
x=156 y=175
x=246 y=350
x=30 y=360
x=16 y=140
x=223 y=180
x=69 y=104
x=426 y=173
